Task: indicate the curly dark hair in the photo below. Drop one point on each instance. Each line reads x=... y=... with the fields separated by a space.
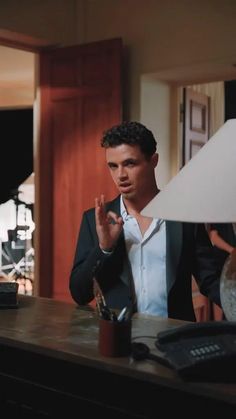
x=131 y=133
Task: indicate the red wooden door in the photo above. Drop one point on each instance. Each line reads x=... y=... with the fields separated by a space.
x=80 y=98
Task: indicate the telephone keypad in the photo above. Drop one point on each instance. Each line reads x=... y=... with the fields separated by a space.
x=206 y=350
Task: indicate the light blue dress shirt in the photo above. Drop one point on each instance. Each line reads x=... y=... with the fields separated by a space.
x=147 y=256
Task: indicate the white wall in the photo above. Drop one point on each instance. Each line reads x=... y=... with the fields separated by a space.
x=161 y=35
x=52 y=20
x=155 y=114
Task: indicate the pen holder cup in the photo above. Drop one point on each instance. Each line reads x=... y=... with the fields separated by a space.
x=114 y=338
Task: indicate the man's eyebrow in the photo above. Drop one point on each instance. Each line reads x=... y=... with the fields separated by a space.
x=129 y=160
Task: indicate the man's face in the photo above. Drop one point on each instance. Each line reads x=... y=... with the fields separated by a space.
x=130 y=169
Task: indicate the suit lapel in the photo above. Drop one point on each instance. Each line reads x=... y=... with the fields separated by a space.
x=174 y=237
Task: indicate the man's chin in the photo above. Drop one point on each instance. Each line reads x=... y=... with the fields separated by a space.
x=128 y=195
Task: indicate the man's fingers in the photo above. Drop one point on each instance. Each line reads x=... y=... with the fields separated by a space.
x=100 y=202
x=97 y=203
x=113 y=218
x=102 y=217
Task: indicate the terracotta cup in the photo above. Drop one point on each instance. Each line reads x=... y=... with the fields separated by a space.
x=114 y=338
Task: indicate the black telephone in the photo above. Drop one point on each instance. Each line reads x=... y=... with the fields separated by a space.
x=201 y=350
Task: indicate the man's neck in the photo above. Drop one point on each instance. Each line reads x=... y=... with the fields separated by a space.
x=135 y=206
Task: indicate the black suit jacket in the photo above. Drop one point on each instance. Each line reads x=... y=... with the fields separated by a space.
x=188 y=252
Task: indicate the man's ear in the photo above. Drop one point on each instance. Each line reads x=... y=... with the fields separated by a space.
x=154 y=159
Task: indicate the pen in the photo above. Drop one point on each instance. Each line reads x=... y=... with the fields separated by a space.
x=122 y=314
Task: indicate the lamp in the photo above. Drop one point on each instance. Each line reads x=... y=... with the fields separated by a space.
x=204 y=191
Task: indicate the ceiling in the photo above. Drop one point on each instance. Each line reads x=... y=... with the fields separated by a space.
x=199 y=73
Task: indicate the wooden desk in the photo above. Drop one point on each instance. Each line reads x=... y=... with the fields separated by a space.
x=50 y=365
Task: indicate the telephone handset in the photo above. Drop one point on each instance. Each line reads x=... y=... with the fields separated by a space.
x=195 y=330
x=201 y=350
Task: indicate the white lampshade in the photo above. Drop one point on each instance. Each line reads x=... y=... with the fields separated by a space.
x=204 y=190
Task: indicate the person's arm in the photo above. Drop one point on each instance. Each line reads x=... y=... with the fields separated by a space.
x=88 y=259
x=95 y=252
x=219 y=242
x=205 y=267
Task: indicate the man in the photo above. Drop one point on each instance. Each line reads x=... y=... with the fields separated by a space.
x=139 y=261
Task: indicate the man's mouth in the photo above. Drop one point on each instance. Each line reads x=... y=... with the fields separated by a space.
x=124 y=186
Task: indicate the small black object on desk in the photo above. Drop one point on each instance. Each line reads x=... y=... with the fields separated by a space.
x=8 y=294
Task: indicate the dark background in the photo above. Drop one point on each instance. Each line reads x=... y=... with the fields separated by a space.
x=230 y=99
x=16 y=150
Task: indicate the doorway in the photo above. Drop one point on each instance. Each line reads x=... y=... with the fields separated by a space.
x=17 y=191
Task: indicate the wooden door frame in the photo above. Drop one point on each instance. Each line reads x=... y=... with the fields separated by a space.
x=24 y=42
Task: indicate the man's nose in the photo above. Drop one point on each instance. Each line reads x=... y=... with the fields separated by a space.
x=121 y=172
